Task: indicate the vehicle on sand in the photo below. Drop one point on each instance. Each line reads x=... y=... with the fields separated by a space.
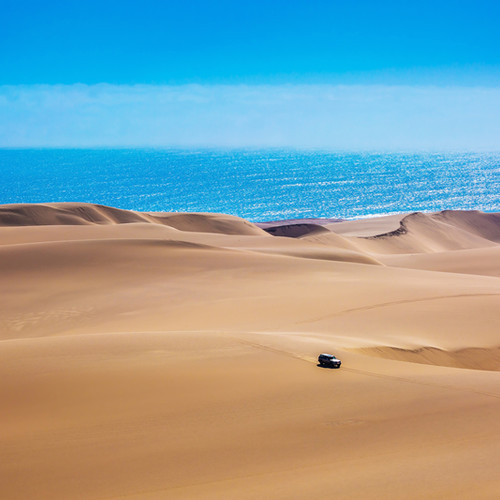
x=329 y=360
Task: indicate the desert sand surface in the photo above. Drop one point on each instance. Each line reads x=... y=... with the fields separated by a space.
x=166 y=355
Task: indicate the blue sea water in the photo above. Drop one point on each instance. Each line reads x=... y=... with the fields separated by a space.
x=257 y=185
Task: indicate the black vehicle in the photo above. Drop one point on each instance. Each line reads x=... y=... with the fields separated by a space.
x=329 y=360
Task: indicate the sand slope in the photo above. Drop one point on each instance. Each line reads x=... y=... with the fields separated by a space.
x=150 y=356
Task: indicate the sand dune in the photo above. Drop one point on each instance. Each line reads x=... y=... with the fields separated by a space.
x=430 y=233
x=482 y=224
x=482 y=261
x=150 y=356
x=64 y=214
x=371 y=226
x=81 y=214
x=472 y=358
x=296 y=230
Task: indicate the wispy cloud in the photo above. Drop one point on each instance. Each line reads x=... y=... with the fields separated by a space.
x=325 y=116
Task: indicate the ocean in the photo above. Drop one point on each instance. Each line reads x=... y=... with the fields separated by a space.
x=259 y=185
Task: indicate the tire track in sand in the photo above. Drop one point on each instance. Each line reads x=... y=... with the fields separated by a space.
x=367 y=373
x=392 y=303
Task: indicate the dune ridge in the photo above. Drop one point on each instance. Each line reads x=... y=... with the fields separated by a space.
x=171 y=355
x=473 y=358
x=86 y=213
x=447 y=230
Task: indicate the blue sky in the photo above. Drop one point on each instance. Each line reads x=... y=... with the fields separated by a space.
x=250 y=41
x=111 y=52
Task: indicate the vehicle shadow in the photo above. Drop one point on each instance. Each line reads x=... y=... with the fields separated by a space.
x=328 y=367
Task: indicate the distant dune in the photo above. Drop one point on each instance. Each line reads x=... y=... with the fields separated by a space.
x=171 y=355
x=66 y=214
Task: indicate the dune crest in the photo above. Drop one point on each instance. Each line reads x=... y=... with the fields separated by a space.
x=208 y=223
x=62 y=214
x=435 y=232
x=472 y=358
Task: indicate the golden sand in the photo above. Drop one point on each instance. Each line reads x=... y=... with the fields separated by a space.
x=158 y=356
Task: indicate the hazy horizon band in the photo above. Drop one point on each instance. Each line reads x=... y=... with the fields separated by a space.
x=346 y=117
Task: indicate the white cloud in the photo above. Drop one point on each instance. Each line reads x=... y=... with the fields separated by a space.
x=325 y=116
